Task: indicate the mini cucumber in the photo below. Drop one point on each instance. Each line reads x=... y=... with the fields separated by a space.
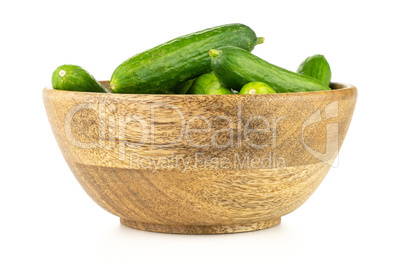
x=74 y=78
x=183 y=87
x=208 y=84
x=317 y=67
x=256 y=88
x=165 y=66
x=236 y=67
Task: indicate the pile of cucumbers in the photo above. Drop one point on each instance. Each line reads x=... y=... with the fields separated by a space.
x=215 y=61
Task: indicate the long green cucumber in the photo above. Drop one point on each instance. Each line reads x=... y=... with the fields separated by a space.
x=75 y=78
x=236 y=67
x=208 y=84
x=165 y=66
x=317 y=67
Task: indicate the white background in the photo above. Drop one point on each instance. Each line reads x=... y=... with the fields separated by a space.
x=352 y=220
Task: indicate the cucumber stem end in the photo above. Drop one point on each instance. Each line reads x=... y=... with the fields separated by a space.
x=214 y=53
x=62 y=73
x=260 y=40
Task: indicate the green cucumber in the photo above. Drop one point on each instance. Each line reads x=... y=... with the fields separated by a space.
x=74 y=78
x=256 y=88
x=165 y=66
x=317 y=67
x=183 y=87
x=208 y=84
x=236 y=67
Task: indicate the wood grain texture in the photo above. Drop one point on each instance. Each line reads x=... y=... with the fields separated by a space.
x=200 y=163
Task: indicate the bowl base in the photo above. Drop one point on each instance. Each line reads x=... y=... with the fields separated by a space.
x=200 y=229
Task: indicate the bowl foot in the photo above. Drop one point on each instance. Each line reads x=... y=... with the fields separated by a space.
x=200 y=229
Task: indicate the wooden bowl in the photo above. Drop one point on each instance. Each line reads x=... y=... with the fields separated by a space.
x=200 y=164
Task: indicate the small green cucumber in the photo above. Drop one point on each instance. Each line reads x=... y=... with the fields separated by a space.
x=256 y=88
x=317 y=67
x=236 y=67
x=183 y=87
x=208 y=84
x=165 y=66
x=74 y=78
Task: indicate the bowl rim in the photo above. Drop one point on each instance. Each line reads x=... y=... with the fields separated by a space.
x=335 y=87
